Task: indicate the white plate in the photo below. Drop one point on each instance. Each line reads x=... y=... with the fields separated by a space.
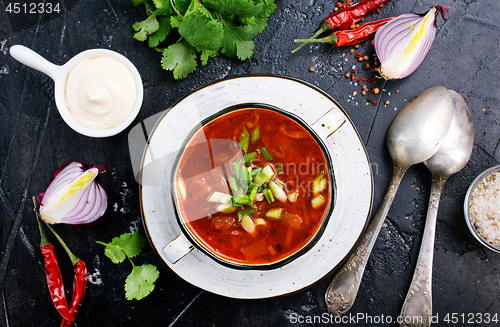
x=351 y=167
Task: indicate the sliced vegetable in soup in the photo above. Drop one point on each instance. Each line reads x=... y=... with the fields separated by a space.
x=253 y=186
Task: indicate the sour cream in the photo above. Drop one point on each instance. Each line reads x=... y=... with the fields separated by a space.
x=100 y=92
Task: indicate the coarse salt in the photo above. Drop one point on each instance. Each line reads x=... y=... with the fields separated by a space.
x=484 y=208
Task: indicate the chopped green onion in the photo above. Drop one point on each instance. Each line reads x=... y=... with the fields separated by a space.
x=242 y=200
x=219 y=197
x=279 y=183
x=244 y=139
x=319 y=184
x=292 y=197
x=233 y=184
x=226 y=208
x=317 y=201
x=249 y=157
x=268 y=195
x=266 y=154
x=268 y=171
x=260 y=222
x=274 y=213
x=259 y=197
x=320 y=176
x=248 y=224
x=277 y=191
x=245 y=212
x=256 y=171
x=253 y=193
x=279 y=169
x=256 y=134
x=237 y=168
x=260 y=179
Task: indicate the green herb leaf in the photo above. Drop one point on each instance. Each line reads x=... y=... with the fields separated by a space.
x=180 y=58
x=182 y=5
x=138 y=2
x=140 y=282
x=125 y=245
x=202 y=32
x=241 y=8
x=237 y=42
x=145 y=28
x=207 y=27
x=162 y=6
x=162 y=32
x=206 y=54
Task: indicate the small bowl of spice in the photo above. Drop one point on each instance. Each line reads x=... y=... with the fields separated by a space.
x=482 y=208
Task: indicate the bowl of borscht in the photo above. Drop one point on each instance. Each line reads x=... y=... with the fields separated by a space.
x=253 y=187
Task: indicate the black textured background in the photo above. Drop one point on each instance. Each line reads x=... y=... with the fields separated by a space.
x=34 y=141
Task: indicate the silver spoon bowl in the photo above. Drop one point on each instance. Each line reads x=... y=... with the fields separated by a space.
x=415 y=135
x=451 y=157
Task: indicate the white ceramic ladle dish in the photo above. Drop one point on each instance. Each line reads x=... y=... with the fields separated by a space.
x=60 y=75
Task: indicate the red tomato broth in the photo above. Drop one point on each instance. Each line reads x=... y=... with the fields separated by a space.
x=302 y=160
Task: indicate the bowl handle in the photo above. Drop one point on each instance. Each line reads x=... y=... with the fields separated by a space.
x=329 y=123
x=177 y=249
x=32 y=59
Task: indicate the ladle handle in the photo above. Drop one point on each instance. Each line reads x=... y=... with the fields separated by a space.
x=417 y=308
x=32 y=59
x=341 y=293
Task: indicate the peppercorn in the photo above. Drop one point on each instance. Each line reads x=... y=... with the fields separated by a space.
x=375 y=90
x=311 y=69
x=351 y=51
x=357 y=46
x=365 y=57
x=387 y=103
x=347 y=75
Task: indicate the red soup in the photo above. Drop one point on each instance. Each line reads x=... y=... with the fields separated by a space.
x=253 y=187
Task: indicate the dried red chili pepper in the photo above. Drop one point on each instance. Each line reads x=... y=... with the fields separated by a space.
x=52 y=272
x=345 y=17
x=79 y=286
x=351 y=36
x=79 y=282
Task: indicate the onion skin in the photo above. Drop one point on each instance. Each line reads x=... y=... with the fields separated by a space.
x=74 y=195
x=403 y=43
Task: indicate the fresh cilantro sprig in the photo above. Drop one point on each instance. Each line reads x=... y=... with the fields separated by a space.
x=187 y=30
x=141 y=281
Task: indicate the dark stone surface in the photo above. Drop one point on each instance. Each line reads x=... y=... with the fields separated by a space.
x=34 y=141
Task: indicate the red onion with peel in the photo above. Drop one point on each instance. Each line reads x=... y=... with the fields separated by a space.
x=403 y=43
x=74 y=196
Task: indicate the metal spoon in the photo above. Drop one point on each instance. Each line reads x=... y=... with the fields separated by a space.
x=414 y=136
x=451 y=157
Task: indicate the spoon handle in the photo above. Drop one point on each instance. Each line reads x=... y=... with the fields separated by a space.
x=417 y=308
x=343 y=289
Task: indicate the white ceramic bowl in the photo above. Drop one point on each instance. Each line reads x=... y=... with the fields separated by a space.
x=60 y=75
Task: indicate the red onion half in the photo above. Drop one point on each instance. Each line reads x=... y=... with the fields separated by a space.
x=403 y=43
x=73 y=196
